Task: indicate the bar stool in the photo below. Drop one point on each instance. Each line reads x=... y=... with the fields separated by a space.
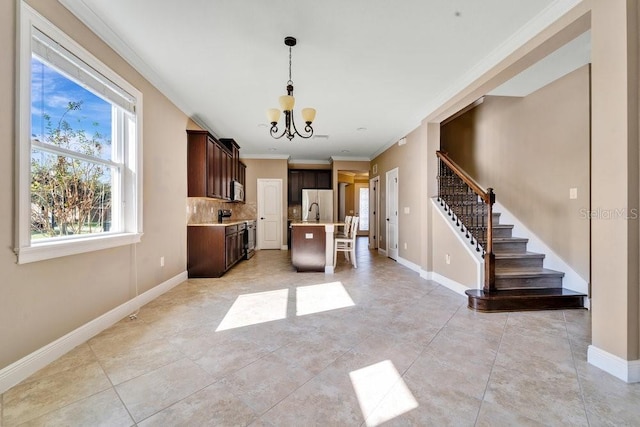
x=347 y=244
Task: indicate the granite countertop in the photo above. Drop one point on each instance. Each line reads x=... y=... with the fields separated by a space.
x=224 y=223
x=315 y=223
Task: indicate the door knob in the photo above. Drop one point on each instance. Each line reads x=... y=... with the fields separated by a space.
x=387 y=219
x=261 y=217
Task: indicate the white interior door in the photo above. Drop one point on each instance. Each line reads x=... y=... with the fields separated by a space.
x=269 y=226
x=374 y=208
x=392 y=214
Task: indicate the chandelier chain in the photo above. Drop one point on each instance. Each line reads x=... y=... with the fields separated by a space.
x=290 y=81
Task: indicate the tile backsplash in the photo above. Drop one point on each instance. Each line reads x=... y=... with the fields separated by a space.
x=294 y=215
x=201 y=210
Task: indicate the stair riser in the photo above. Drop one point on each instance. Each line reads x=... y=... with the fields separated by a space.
x=502 y=232
x=509 y=247
x=528 y=283
x=528 y=262
x=496 y=218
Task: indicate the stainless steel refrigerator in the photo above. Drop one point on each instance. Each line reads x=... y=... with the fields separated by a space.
x=317 y=204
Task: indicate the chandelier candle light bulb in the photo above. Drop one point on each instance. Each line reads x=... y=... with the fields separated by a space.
x=287 y=103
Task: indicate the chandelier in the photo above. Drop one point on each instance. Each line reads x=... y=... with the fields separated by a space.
x=286 y=104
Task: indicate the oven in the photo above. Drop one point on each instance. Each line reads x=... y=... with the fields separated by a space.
x=250 y=239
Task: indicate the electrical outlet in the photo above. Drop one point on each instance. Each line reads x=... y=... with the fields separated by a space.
x=161 y=261
x=295 y=211
x=573 y=193
x=195 y=209
x=447 y=258
x=211 y=210
x=405 y=245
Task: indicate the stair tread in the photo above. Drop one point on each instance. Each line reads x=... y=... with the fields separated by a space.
x=502 y=225
x=510 y=239
x=508 y=255
x=509 y=273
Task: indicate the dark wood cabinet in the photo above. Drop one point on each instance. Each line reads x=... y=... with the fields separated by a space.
x=294 y=187
x=309 y=179
x=323 y=179
x=308 y=248
x=231 y=246
x=213 y=250
x=212 y=165
x=300 y=179
x=242 y=174
x=201 y=163
x=217 y=174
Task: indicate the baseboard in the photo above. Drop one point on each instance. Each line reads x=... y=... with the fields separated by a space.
x=28 y=365
x=456 y=287
x=284 y=247
x=382 y=251
x=409 y=264
x=426 y=275
x=627 y=370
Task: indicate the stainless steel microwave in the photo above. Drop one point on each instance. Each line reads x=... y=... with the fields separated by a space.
x=237 y=191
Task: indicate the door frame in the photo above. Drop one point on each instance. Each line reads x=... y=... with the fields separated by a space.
x=374 y=212
x=393 y=210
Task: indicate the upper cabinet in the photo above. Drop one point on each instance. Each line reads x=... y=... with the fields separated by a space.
x=212 y=165
x=323 y=179
x=306 y=179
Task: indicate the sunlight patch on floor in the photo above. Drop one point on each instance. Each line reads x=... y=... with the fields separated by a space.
x=323 y=297
x=260 y=307
x=381 y=383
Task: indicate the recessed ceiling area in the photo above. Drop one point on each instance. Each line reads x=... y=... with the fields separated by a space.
x=372 y=69
x=568 y=58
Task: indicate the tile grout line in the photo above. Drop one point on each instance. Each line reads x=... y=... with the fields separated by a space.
x=482 y=400
x=113 y=387
x=575 y=367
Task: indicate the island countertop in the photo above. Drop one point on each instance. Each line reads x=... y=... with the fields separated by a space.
x=298 y=222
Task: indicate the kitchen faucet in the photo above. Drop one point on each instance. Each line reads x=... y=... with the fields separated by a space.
x=317 y=211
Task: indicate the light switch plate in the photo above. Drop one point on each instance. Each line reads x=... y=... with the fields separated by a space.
x=308 y=235
x=573 y=193
x=407 y=210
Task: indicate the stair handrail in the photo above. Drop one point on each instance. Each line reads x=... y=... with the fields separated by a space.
x=488 y=198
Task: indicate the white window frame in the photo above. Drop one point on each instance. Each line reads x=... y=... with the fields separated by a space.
x=130 y=197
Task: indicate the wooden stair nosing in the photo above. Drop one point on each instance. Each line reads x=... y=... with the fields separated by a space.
x=525 y=299
x=522 y=273
x=518 y=255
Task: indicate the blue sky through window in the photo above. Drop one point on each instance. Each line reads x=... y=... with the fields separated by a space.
x=51 y=93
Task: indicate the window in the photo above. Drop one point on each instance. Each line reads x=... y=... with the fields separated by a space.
x=79 y=146
x=364 y=209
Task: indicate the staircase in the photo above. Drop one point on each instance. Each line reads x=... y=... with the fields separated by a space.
x=514 y=278
x=521 y=281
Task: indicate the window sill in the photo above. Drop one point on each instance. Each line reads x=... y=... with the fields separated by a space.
x=49 y=250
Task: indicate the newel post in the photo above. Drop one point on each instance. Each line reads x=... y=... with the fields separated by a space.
x=489 y=256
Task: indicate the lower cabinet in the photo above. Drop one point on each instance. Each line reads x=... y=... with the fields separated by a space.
x=212 y=250
x=308 y=245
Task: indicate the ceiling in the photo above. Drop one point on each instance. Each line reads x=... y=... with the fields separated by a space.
x=373 y=69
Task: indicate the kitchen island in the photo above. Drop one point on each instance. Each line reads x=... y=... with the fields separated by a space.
x=312 y=245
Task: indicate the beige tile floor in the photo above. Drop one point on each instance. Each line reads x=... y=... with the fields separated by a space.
x=266 y=346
